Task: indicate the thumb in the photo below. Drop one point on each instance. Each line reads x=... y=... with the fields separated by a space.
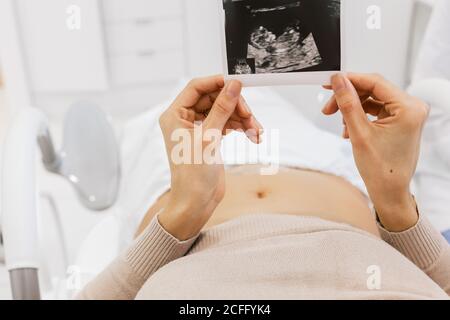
x=224 y=106
x=350 y=105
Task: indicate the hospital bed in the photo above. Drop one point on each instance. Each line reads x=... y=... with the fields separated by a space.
x=104 y=241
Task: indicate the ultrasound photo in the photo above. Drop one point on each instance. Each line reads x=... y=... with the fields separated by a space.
x=282 y=36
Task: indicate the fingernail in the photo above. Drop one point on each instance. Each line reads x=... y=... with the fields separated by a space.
x=327 y=106
x=259 y=125
x=255 y=135
x=338 y=82
x=252 y=135
x=233 y=89
x=260 y=139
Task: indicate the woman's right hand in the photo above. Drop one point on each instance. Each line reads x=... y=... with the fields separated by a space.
x=386 y=150
x=193 y=127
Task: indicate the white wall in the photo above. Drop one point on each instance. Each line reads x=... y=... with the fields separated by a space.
x=383 y=51
x=203 y=37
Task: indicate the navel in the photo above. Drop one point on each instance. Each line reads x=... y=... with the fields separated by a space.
x=261 y=194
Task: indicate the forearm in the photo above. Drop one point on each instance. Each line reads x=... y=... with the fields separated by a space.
x=125 y=276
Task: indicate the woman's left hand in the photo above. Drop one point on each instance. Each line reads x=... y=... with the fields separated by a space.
x=386 y=150
x=193 y=127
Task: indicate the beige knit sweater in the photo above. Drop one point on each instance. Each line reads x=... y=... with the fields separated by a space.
x=279 y=257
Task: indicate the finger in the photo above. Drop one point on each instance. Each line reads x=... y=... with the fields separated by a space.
x=243 y=109
x=345 y=134
x=198 y=88
x=204 y=105
x=252 y=124
x=206 y=102
x=376 y=86
x=349 y=104
x=370 y=106
x=259 y=125
x=252 y=134
x=377 y=109
x=253 y=129
x=187 y=114
x=373 y=107
x=247 y=122
x=224 y=106
x=245 y=116
x=231 y=126
x=331 y=106
x=329 y=87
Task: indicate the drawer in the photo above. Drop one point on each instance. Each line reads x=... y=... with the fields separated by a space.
x=131 y=38
x=118 y=10
x=157 y=67
x=59 y=60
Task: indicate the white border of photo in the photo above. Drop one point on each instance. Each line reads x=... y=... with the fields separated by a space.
x=280 y=79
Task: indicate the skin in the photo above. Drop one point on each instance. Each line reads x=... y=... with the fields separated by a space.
x=385 y=150
x=197 y=189
x=291 y=191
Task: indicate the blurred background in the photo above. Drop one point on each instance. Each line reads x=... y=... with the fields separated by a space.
x=127 y=56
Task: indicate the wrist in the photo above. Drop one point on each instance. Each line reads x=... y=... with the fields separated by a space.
x=181 y=222
x=400 y=215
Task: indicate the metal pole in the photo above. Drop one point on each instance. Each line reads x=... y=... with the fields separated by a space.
x=25 y=284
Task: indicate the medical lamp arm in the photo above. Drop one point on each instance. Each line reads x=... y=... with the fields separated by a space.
x=19 y=194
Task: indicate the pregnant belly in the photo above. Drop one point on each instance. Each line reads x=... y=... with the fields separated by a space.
x=291 y=191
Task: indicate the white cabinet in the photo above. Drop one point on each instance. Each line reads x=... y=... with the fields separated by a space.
x=119 y=10
x=57 y=57
x=123 y=48
x=144 y=37
x=144 y=40
x=154 y=67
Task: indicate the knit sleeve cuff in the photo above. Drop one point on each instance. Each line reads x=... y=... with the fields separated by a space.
x=422 y=244
x=154 y=249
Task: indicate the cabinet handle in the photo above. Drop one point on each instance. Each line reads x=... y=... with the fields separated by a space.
x=146 y=53
x=143 y=21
